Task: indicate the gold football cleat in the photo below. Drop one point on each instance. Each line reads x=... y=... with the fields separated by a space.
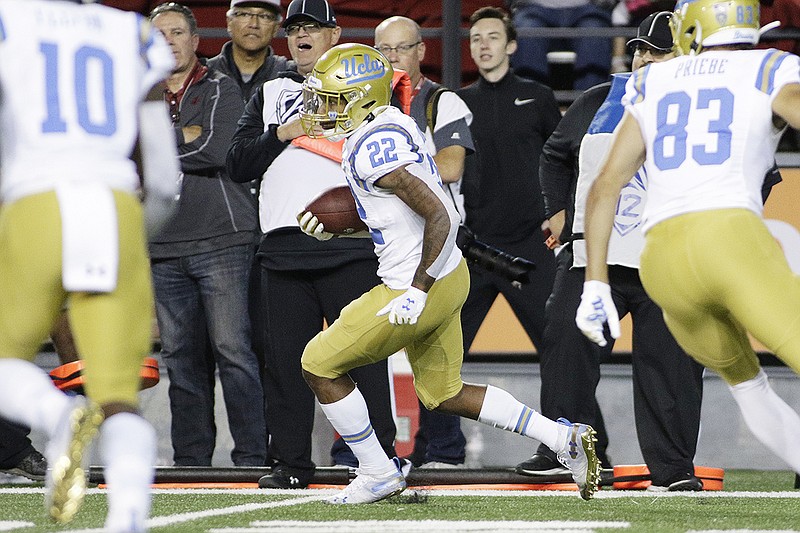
x=66 y=482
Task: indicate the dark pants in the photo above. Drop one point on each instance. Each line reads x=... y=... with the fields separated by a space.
x=297 y=302
x=439 y=437
x=667 y=383
x=14 y=444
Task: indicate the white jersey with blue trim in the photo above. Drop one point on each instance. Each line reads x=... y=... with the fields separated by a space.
x=388 y=142
x=626 y=241
x=71 y=78
x=707 y=125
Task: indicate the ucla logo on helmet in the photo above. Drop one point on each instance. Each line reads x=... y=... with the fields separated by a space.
x=721 y=14
x=362 y=68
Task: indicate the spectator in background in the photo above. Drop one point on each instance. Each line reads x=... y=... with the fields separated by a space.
x=592 y=54
x=445 y=120
x=667 y=384
x=304 y=282
x=248 y=59
x=632 y=13
x=512 y=119
x=201 y=262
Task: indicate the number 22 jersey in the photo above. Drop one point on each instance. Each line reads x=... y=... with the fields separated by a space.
x=707 y=125
x=372 y=151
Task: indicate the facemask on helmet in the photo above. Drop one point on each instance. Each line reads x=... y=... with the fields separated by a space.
x=347 y=84
x=702 y=23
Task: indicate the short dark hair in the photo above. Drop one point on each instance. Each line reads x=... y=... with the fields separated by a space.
x=498 y=13
x=176 y=8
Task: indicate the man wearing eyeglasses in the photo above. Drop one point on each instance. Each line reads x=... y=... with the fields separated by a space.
x=304 y=281
x=201 y=262
x=248 y=57
x=445 y=119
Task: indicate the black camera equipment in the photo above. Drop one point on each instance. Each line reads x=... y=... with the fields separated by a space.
x=515 y=269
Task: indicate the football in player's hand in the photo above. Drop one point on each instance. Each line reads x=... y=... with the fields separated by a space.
x=336 y=209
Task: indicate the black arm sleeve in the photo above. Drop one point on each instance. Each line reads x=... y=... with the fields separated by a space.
x=253 y=147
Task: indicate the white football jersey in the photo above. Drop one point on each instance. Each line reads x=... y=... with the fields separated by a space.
x=374 y=150
x=71 y=79
x=707 y=126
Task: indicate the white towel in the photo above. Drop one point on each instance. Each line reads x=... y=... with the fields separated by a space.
x=90 y=239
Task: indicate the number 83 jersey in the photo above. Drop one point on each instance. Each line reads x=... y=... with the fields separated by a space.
x=71 y=79
x=707 y=125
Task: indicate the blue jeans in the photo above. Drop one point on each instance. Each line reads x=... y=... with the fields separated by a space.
x=201 y=297
x=592 y=54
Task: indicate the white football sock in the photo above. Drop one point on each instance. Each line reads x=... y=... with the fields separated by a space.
x=350 y=418
x=501 y=410
x=28 y=396
x=770 y=419
x=128 y=451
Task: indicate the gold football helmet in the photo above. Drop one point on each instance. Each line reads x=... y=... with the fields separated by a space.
x=700 y=23
x=346 y=85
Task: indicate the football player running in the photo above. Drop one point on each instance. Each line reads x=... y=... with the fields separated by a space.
x=73 y=79
x=706 y=126
x=413 y=225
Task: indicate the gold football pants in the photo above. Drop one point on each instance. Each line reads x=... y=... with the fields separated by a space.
x=434 y=344
x=718 y=275
x=112 y=330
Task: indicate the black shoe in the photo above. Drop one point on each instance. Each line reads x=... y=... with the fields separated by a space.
x=541 y=465
x=33 y=466
x=284 y=478
x=691 y=484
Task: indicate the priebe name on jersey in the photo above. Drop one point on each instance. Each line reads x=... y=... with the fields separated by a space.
x=365 y=69
x=702 y=65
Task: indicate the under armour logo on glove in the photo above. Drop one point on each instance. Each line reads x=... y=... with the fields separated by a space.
x=597 y=308
x=406 y=308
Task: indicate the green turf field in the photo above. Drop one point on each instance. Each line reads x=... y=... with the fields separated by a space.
x=751 y=501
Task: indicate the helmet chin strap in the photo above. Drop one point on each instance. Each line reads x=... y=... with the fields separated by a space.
x=698 y=38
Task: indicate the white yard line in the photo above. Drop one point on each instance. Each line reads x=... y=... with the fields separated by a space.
x=11 y=525
x=391 y=526
x=422 y=526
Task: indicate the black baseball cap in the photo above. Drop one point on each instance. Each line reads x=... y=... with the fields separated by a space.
x=654 y=31
x=316 y=10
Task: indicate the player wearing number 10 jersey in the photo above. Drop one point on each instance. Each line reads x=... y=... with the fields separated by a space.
x=78 y=83
x=706 y=126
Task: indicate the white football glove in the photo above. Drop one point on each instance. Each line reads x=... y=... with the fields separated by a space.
x=406 y=308
x=313 y=227
x=597 y=308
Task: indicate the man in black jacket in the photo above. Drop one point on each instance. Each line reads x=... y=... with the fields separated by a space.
x=201 y=262
x=305 y=282
x=512 y=119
